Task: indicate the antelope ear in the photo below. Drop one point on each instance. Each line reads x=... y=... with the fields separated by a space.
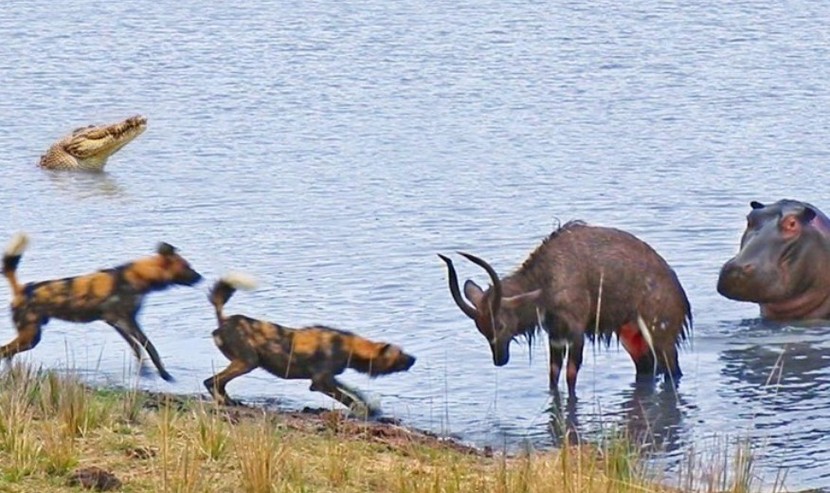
x=521 y=299
x=473 y=293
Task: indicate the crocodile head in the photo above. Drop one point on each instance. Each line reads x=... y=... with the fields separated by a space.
x=88 y=148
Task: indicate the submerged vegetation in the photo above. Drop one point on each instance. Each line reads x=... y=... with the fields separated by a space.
x=56 y=433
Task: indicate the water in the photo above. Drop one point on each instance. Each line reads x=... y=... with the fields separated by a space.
x=331 y=149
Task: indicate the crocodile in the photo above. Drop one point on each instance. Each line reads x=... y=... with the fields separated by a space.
x=88 y=148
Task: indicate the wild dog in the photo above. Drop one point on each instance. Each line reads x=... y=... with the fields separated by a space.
x=316 y=352
x=111 y=295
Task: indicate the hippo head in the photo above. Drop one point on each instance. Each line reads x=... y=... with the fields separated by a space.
x=782 y=262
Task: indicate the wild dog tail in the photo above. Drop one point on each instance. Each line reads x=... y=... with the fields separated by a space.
x=225 y=287
x=11 y=257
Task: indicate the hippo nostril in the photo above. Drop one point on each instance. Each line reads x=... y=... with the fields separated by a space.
x=739 y=271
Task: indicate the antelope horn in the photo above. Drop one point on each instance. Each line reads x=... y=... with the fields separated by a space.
x=456 y=293
x=495 y=300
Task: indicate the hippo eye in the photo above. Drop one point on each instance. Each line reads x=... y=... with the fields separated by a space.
x=789 y=224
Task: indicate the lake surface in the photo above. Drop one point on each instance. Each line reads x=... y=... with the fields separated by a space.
x=331 y=149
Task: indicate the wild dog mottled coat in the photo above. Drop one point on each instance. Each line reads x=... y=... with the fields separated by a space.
x=316 y=353
x=113 y=295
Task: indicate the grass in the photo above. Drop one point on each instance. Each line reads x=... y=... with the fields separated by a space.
x=51 y=424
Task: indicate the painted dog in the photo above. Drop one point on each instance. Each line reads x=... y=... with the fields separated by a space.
x=317 y=353
x=112 y=295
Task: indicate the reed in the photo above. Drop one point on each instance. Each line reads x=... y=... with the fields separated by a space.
x=51 y=423
x=212 y=431
x=260 y=457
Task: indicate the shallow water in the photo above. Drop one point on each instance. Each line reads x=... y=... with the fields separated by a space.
x=331 y=149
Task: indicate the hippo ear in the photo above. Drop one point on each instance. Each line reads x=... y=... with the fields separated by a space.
x=756 y=205
x=808 y=215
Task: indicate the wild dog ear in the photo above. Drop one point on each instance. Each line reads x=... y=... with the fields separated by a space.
x=165 y=249
x=521 y=299
x=473 y=292
x=756 y=205
x=808 y=215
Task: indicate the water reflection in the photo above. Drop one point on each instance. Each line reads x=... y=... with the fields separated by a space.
x=777 y=378
x=786 y=365
x=649 y=415
x=86 y=185
x=377 y=134
x=653 y=418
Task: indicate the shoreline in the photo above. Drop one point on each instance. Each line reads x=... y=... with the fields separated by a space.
x=57 y=432
x=315 y=419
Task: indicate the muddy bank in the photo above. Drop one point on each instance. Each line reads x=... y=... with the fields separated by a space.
x=389 y=431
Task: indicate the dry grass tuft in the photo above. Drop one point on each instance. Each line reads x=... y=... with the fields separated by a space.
x=50 y=423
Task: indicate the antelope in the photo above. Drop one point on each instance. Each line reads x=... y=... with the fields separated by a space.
x=583 y=281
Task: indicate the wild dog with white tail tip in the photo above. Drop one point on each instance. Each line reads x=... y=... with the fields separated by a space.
x=113 y=295
x=316 y=352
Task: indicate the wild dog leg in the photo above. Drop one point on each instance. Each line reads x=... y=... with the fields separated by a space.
x=216 y=384
x=26 y=339
x=346 y=395
x=135 y=346
x=131 y=327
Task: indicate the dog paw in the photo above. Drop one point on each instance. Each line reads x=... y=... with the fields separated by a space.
x=363 y=411
x=374 y=413
x=145 y=371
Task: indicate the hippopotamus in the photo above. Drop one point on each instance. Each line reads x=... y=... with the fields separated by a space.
x=783 y=263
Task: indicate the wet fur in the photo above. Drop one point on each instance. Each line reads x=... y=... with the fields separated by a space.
x=567 y=269
x=112 y=295
x=317 y=353
x=624 y=264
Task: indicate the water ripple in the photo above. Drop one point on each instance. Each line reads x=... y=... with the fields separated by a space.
x=332 y=151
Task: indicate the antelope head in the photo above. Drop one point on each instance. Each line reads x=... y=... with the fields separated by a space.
x=495 y=312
